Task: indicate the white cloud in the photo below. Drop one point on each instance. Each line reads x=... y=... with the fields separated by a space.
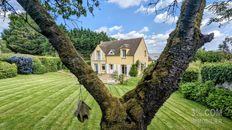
x=165 y=18
x=131 y=34
x=144 y=30
x=126 y=3
x=109 y=30
x=145 y=10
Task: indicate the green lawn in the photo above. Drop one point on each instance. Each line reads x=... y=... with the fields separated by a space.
x=44 y=102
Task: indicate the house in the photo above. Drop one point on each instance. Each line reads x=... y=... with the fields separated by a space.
x=119 y=55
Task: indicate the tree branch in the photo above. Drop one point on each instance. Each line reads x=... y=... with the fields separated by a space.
x=68 y=54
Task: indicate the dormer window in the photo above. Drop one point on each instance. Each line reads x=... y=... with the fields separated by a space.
x=111 y=52
x=98 y=55
x=123 y=53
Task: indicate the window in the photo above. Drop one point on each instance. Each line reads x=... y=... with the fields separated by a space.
x=111 y=52
x=124 y=69
x=98 y=55
x=103 y=67
x=111 y=67
x=124 y=53
x=145 y=53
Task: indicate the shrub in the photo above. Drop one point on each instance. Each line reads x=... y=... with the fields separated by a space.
x=190 y=75
x=121 y=78
x=38 y=67
x=52 y=64
x=197 y=91
x=219 y=72
x=24 y=64
x=221 y=99
x=133 y=71
x=7 y=70
x=207 y=94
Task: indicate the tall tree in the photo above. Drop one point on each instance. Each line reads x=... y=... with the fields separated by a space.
x=135 y=110
x=21 y=38
x=86 y=40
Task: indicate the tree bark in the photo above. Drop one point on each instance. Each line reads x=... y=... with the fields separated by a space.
x=135 y=110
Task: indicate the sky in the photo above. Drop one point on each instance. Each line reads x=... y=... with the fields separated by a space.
x=124 y=19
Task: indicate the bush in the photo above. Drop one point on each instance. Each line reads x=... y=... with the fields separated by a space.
x=38 y=67
x=219 y=72
x=190 y=75
x=207 y=94
x=52 y=64
x=197 y=91
x=24 y=64
x=133 y=71
x=121 y=78
x=221 y=99
x=211 y=56
x=7 y=70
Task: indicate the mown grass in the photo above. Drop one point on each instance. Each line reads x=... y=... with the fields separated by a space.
x=44 y=102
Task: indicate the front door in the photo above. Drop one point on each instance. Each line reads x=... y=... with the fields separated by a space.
x=96 y=68
x=124 y=69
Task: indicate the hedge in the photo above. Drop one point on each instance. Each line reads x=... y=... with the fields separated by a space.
x=52 y=64
x=41 y=64
x=190 y=75
x=209 y=95
x=218 y=72
x=212 y=56
x=7 y=70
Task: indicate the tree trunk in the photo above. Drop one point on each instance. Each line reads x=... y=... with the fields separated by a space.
x=135 y=110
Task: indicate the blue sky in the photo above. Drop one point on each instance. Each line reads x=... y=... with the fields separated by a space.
x=124 y=19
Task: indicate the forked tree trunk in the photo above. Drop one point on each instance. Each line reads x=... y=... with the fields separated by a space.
x=135 y=110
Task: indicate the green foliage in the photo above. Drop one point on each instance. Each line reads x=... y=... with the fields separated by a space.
x=7 y=70
x=41 y=64
x=38 y=67
x=85 y=40
x=21 y=38
x=207 y=94
x=70 y=8
x=52 y=64
x=133 y=71
x=121 y=78
x=211 y=56
x=220 y=99
x=218 y=72
x=190 y=75
x=3 y=47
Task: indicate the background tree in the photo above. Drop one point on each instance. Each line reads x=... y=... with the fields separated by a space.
x=86 y=40
x=224 y=47
x=135 y=110
x=3 y=47
x=21 y=38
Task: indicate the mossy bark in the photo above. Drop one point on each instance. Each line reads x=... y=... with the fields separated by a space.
x=135 y=110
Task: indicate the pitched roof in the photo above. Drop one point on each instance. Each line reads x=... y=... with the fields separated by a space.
x=131 y=44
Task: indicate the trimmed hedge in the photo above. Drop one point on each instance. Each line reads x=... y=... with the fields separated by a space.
x=209 y=95
x=190 y=75
x=218 y=72
x=38 y=67
x=212 y=56
x=7 y=70
x=40 y=64
x=52 y=64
